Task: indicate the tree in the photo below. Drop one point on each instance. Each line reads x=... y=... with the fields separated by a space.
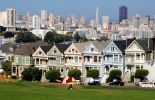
x=32 y=74
x=8 y=34
x=94 y=73
x=25 y=37
x=2 y=29
x=52 y=37
x=49 y=37
x=75 y=73
x=114 y=74
x=53 y=75
x=141 y=73
x=77 y=37
x=6 y=65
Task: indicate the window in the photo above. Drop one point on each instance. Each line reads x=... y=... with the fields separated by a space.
x=95 y=58
x=100 y=59
x=14 y=69
x=61 y=70
x=72 y=49
x=137 y=67
x=37 y=60
x=76 y=59
x=142 y=67
x=116 y=67
x=112 y=48
x=115 y=58
x=92 y=49
x=138 y=56
x=39 y=52
x=55 y=51
x=88 y=58
x=80 y=59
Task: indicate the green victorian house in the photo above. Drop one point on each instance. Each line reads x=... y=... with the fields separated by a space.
x=22 y=57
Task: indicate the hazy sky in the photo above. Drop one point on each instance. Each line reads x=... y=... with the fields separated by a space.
x=81 y=7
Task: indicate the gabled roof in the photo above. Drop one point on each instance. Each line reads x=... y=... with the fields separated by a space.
x=123 y=44
x=144 y=44
x=28 y=48
x=101 y=45
x=62 y=47
x=46 y=48
x=9 y=47
x=80 y=46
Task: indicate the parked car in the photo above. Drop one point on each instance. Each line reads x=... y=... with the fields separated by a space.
x=94 y=83
x=117 y=83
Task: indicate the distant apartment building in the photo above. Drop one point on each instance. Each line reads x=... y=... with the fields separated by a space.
x=36 y=22
x=8 y=19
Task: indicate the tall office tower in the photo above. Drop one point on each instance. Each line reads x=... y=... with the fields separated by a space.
x=29 y=19
x=92 y=23
x=82 y=20
x=105 y=22
x=44 y=17
x=51 y=20
x=57 y=20
x=11 y=19
x=36 y=22
x=136 y=21
x=73 y=20
x=123 y=13
x=97 y=16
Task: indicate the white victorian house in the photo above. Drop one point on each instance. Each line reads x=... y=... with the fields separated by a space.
x=93 y=58
x=136 y=55
x=74 y=57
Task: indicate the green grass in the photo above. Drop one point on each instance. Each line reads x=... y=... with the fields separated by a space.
x=43 y=91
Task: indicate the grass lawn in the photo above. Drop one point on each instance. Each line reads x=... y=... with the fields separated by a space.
x=43 y=91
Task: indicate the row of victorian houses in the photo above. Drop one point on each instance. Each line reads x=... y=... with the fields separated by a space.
x=125 y=55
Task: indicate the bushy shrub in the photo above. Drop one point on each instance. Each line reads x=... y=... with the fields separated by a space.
x=53 y=75
x=75 y=73
x=32 y=74
x=114 y=74
x=141 y=73
x=94 y=73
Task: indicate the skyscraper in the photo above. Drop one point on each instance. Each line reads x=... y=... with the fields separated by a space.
x=97 y=16
x=11 y=17
x=44 y=17
x=105 y=22
x=36 y=22
x=123 y=13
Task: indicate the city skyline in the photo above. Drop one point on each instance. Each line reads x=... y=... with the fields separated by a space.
x=66 y=8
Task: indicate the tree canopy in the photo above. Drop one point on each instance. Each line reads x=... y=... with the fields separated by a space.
x=2 y=29
x=25 y=37
x=75 y=73
x=114 y=74
x=53 y=75
x=32 y=74
x=6 y=65
x=94 y=73
x=52 y=37
x=8 y=34
x=141 y=73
